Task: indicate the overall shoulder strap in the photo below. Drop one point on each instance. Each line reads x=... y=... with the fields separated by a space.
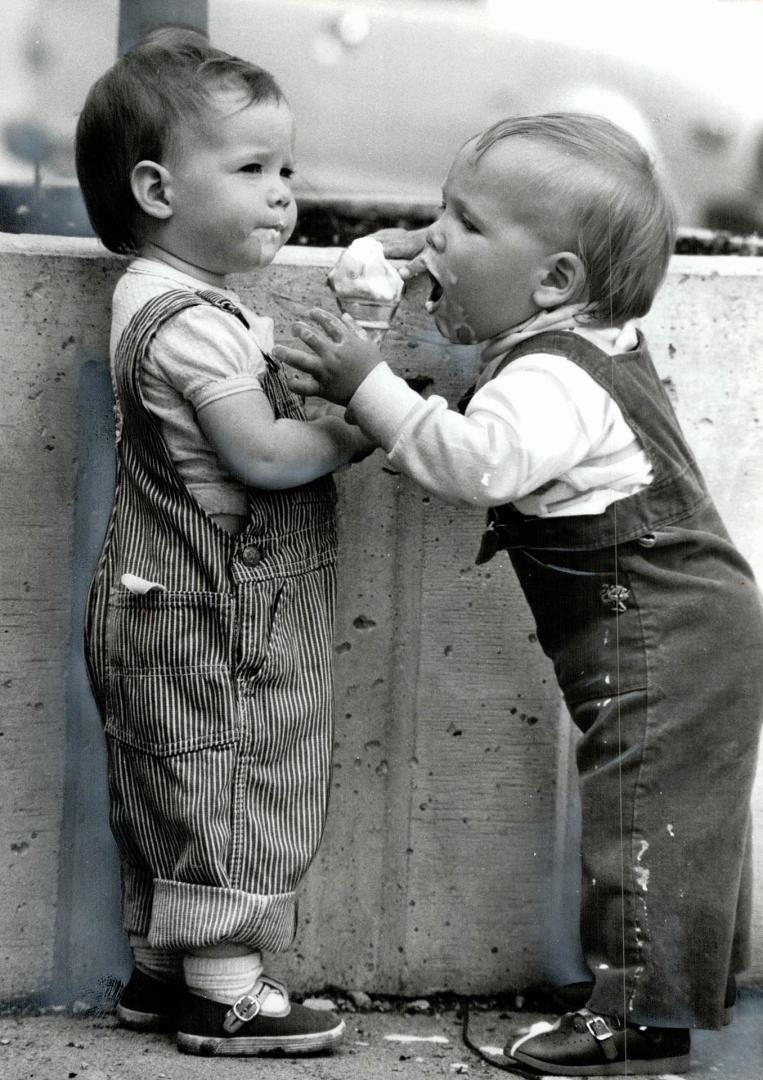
x=224 y=304
x=144 y=325
x=555 y=342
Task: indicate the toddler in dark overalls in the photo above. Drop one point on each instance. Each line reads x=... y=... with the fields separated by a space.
x=209 y=622
x=554 y=234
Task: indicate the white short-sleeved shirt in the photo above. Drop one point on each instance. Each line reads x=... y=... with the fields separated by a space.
x=199 y=356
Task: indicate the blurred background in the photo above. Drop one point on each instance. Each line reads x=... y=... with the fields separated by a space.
x=385 y=91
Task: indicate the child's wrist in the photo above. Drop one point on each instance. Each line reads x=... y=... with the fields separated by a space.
x=355 y=373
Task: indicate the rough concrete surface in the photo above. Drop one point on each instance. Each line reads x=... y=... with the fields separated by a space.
x=413 y=1046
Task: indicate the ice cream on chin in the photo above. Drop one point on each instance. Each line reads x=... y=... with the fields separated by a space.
x=367 y=287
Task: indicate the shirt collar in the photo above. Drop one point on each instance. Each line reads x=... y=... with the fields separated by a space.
x=261 y=325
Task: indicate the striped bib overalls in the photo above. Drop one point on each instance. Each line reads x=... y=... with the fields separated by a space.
x=215 y=688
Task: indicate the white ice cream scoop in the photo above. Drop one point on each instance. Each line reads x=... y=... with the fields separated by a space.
x=367 y=287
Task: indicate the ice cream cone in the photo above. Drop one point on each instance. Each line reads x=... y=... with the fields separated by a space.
x=366 y=286
x=374 y=317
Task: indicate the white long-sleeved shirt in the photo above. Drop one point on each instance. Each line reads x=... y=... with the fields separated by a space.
x=542 y=435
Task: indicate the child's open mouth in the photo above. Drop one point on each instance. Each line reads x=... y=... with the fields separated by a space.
x=435 y=294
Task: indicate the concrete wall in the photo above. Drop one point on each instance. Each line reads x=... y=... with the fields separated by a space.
x=450 y=857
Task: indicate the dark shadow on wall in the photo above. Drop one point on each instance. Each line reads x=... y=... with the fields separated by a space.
x=92 y=957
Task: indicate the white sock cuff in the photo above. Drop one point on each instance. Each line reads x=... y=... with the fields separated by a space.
x=221 y=978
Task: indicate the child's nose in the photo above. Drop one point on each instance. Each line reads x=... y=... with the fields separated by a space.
x=279 y=194
x=435 y=237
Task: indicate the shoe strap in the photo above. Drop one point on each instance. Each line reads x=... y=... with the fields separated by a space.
x=250 y=1004
x=601 y=1031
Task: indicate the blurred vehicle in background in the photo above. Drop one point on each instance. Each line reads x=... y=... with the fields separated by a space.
x=385 y=91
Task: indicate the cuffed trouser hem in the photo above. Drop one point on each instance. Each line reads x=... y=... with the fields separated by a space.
x=181 y=916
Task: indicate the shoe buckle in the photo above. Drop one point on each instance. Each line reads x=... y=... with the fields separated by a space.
x=249 y=1005
x=241 y=1012
x=602 y=1032
x=599 y=1028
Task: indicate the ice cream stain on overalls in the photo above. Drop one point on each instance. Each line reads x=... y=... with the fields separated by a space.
x=654 y=624
x=215 y=688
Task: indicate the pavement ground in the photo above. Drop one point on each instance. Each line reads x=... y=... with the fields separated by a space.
x=395 y=1044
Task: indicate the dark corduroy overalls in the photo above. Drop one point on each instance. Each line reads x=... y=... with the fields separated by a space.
x=215 y=689
x=654 y=624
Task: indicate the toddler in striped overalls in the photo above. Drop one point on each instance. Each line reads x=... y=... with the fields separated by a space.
x=210 y=616
x=554 y=234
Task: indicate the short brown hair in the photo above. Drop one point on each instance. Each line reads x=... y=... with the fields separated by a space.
x=136 y=109
x=622 y=218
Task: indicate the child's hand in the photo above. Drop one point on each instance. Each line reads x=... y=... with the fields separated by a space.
x=338 y=363
x=316 y=408
x=404 y=244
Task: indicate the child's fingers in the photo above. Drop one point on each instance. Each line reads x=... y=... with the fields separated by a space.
x=302 y=385
x=412 y=269
x=333 y=326
x=401 y=243
x=296 y=358
x=395 y=242
x=312 y=336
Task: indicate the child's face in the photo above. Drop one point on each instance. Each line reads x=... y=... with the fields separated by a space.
x=232 y=206
x=484 y=251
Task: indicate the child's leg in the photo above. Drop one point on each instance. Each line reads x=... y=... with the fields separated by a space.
x=666 y=772
x=659 y=658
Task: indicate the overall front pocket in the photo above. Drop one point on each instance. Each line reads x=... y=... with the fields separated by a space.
x=169 y=632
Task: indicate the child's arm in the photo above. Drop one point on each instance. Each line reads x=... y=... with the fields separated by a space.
x=521 y=430
x=271 y=453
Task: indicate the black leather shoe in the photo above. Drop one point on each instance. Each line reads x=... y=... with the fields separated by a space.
x=211 y=1028
x=148 y=1004
x=583 y=1043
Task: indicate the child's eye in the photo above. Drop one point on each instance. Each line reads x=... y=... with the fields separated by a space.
x=251 y=167
x=287 y=173
x=467 y=224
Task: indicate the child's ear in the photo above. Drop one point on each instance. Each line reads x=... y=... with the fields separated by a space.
x=562 y=280
x=151 y=188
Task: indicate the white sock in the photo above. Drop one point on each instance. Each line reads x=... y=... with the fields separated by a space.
x=163 y=964
x=222 y=972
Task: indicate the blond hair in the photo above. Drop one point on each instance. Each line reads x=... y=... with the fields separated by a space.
x=621 y=217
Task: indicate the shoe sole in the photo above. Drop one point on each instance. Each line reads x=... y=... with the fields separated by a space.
x=143 y=1021
x=252 y=1046
x=608 y=1068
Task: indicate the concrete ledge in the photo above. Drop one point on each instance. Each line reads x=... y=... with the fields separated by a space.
x=449 y=860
